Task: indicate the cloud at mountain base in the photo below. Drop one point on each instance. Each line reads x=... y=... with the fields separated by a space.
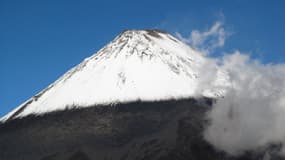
x=251 y=114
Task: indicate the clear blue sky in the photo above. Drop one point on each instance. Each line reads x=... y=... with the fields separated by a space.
x=41 y=40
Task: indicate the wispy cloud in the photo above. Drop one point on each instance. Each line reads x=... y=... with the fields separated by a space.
x=251 y=115
x=208 y=40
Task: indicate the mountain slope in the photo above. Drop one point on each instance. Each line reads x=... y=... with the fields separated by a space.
x=138 y=98
x=147 y=65
x=163 y=130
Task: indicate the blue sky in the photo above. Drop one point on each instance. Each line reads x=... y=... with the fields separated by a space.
x=41 y=40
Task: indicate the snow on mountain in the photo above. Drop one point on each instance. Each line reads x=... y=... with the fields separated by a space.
x=147 y=65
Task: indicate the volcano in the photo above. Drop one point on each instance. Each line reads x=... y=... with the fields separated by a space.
x=146 y=65
x=138 y=98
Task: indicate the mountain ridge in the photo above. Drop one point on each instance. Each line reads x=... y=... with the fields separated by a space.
x=148 y=65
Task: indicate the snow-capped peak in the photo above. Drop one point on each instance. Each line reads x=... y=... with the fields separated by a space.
x=148 y=65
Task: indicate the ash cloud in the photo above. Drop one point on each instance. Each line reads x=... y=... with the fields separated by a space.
x=251 y=114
